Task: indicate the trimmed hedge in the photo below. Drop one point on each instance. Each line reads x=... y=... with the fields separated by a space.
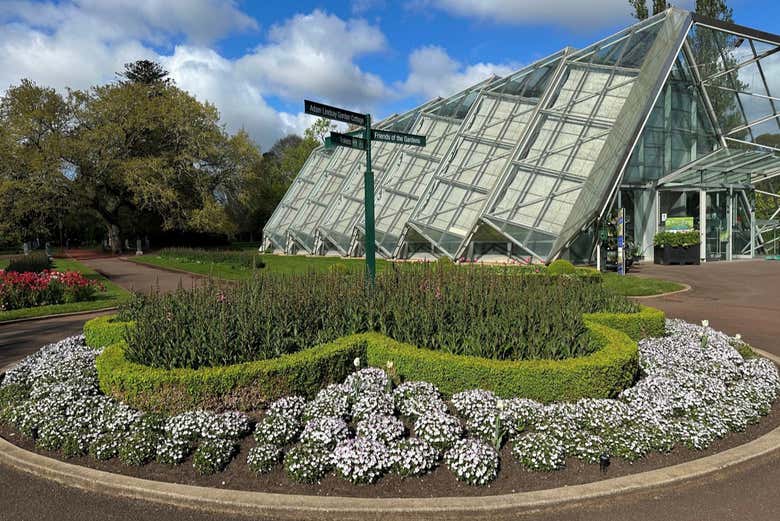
x=244 y=386
x=648 y=322
x=602 y=374
x=105 y=331
x=251 y=385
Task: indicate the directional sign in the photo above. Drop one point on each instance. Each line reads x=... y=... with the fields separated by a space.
x=397 y=137
x=326 y=111
x=345 y=140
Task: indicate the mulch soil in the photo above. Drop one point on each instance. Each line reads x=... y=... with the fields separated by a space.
x=441 y=482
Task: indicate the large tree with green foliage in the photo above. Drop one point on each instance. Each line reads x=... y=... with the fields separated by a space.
x=35 y=191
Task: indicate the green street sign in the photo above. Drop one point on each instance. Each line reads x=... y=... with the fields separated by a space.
x=397 y=137
x=326 y=111
x=346 y=140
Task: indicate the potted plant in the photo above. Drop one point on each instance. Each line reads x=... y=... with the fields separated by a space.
x=676 y=247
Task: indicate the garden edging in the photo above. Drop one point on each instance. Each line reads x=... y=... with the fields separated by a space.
x=59 y=315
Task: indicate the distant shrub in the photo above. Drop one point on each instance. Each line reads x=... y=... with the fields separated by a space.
x=35 y=263
x=561 y=267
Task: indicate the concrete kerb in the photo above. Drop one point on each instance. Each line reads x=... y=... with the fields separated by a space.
x=685 y=288
x=283 y=506
x=59 y=315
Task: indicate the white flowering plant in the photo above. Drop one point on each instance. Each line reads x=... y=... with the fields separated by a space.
x=327 y=432
x=439 y=429
x=413 y=457
x=473 y=461
x=380 y=427
x=263 y=458
x=361 y=460
x=213 y=456
x=308 y=463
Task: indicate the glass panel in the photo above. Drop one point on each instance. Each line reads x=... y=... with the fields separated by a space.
x=717 y=226
x=678 y=131
x=740 y=224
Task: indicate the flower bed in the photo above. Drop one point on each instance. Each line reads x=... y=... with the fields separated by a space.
x=695 y=388
x=28 y=289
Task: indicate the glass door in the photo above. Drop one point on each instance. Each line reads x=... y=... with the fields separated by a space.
x=717 y=226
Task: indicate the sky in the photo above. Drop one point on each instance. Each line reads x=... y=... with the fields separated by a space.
x=257 y=60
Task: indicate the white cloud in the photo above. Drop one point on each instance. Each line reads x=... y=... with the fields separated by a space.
x=85 y=42
x=432 y=72
x=313 y=54
x=200 y=21
x=574 y=14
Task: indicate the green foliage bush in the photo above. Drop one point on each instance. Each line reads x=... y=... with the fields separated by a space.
x=233 y=258
x=561 y=267
x=244 y=386
x=35 y=262
x=105 y=331
x=468 y=311
x=677 y=239
x=648 y=322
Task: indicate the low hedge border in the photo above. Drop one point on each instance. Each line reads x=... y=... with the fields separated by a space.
x=235 y=387
x=602 y=374
x=248 y=386
x=105 y=331
x=647 y=322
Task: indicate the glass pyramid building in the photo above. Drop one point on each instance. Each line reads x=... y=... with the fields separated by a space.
x=676 y=116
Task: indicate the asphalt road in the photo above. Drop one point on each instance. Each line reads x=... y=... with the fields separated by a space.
x=735 y=297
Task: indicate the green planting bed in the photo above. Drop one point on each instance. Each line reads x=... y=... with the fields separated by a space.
x=246 y=386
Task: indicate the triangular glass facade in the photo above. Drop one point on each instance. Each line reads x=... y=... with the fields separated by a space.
x=521 y=166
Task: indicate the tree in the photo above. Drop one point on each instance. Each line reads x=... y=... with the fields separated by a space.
x=149 y=152
x=639 y=9
x=319 y=129
x=145 y=72
x=34 y=186
x=716 y=9
x=712 y=8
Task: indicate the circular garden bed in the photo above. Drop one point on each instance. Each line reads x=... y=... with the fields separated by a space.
x=381 y=426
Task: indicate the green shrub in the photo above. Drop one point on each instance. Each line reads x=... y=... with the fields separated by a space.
x=602 y=374
x=460 y=311
x=648 y=322
x=561 y=267
x=35 y=262
x=677 y=239
x=104 y=331
x=233 y=258
x=245 y=386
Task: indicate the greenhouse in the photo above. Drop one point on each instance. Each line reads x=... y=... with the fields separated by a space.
x=674 y=120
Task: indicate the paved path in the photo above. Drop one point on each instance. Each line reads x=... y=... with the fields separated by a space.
x=139 y=277
x=736 y=297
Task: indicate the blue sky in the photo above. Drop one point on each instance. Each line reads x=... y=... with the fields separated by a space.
x=257 y=60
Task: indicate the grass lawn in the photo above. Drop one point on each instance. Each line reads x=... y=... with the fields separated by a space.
x=113 y=295
x=631 y=286
x=273 y=263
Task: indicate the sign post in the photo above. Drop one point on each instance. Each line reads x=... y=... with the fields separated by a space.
x=621 y=242
x=352 y=140
x=368 y=197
